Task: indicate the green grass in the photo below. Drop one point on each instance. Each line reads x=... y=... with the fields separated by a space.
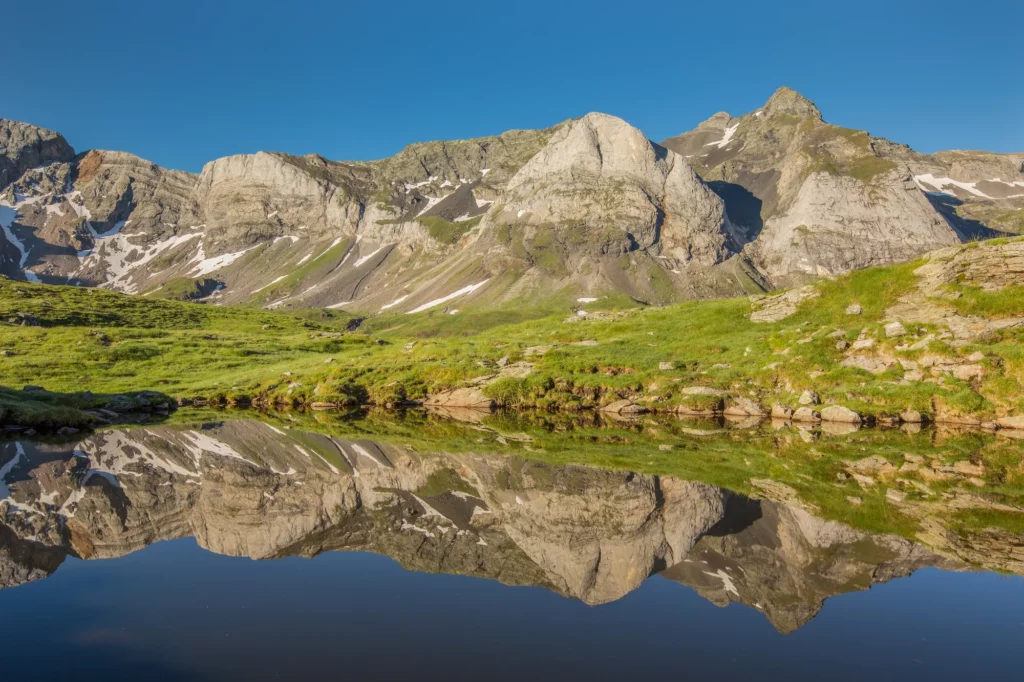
x=1007 y=302
x=448 y=232
x=103 y=341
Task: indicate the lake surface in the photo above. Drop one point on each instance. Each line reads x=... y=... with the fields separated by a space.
x=485 y=549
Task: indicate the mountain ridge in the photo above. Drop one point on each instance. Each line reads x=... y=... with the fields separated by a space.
x=495 y=221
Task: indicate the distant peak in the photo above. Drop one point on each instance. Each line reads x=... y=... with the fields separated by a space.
x=789 y=101
x=717 y=122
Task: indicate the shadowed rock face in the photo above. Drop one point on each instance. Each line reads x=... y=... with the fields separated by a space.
x=249 y=489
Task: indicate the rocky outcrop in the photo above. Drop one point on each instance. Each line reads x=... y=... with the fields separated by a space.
x=24 y=146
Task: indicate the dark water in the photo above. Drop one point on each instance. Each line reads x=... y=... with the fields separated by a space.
x=174 y=611
x=127 y=556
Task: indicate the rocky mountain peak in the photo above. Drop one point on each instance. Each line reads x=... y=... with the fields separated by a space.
x=717 y=122
x=789 y=102
x=24 y=146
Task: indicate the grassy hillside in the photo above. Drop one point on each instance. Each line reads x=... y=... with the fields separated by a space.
x=107 y=342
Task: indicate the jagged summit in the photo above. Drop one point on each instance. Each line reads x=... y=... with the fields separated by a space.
x=790 y=102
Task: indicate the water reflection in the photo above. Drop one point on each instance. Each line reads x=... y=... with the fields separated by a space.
x=246 y=488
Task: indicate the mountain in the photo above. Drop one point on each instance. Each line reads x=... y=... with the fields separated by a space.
x=813 y=199
x=587 y=208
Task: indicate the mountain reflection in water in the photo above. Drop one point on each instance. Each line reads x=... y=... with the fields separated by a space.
x=247 y=488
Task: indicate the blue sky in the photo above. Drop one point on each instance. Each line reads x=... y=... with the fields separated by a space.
x=183 y=82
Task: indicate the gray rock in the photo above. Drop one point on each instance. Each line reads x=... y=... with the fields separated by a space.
x=809 y=398
x=838 y=413
x=895 y=329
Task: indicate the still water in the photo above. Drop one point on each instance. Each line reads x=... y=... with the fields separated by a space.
x=241 y=550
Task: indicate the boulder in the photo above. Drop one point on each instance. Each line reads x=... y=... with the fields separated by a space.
x=624 y=407
x=809 y=398
x=895 y=329
x=781 y=412
x=854 y=309
x=469 y=396
x=744 y=407
x=911 y=416
x=806 y=415
x=838 y=413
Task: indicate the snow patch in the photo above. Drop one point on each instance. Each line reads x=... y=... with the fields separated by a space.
x=272 y=283
x=939 y=185
x=367 y=257
x=208 y=265
x=729 y=132
x=394 y=302
x=444 y=299
x=727 y=582
x=585 y=300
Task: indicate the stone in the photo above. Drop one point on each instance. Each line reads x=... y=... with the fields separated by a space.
x=854 y=309
x=894 y=495
x=862 y=480
x=806 y=415
x=965 y=468
x=968 y=372
x=842 y=344
x=703 y=390
x=623 y=406
x=875 y=465
x=666 y=366
x=472 y=397
x=780 y=306
x=855 y=501
x=976 y=356
x=895 y=329
x=911 y=416
x=809 y=398
x=868 y=363
x=744 y=407
x=863 y=343
x=838 y=413
x=781 y=412
x=1016 y=422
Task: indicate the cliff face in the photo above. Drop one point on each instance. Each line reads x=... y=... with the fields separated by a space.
x=249 y=489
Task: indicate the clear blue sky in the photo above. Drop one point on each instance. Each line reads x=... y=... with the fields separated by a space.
x=183 y=82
